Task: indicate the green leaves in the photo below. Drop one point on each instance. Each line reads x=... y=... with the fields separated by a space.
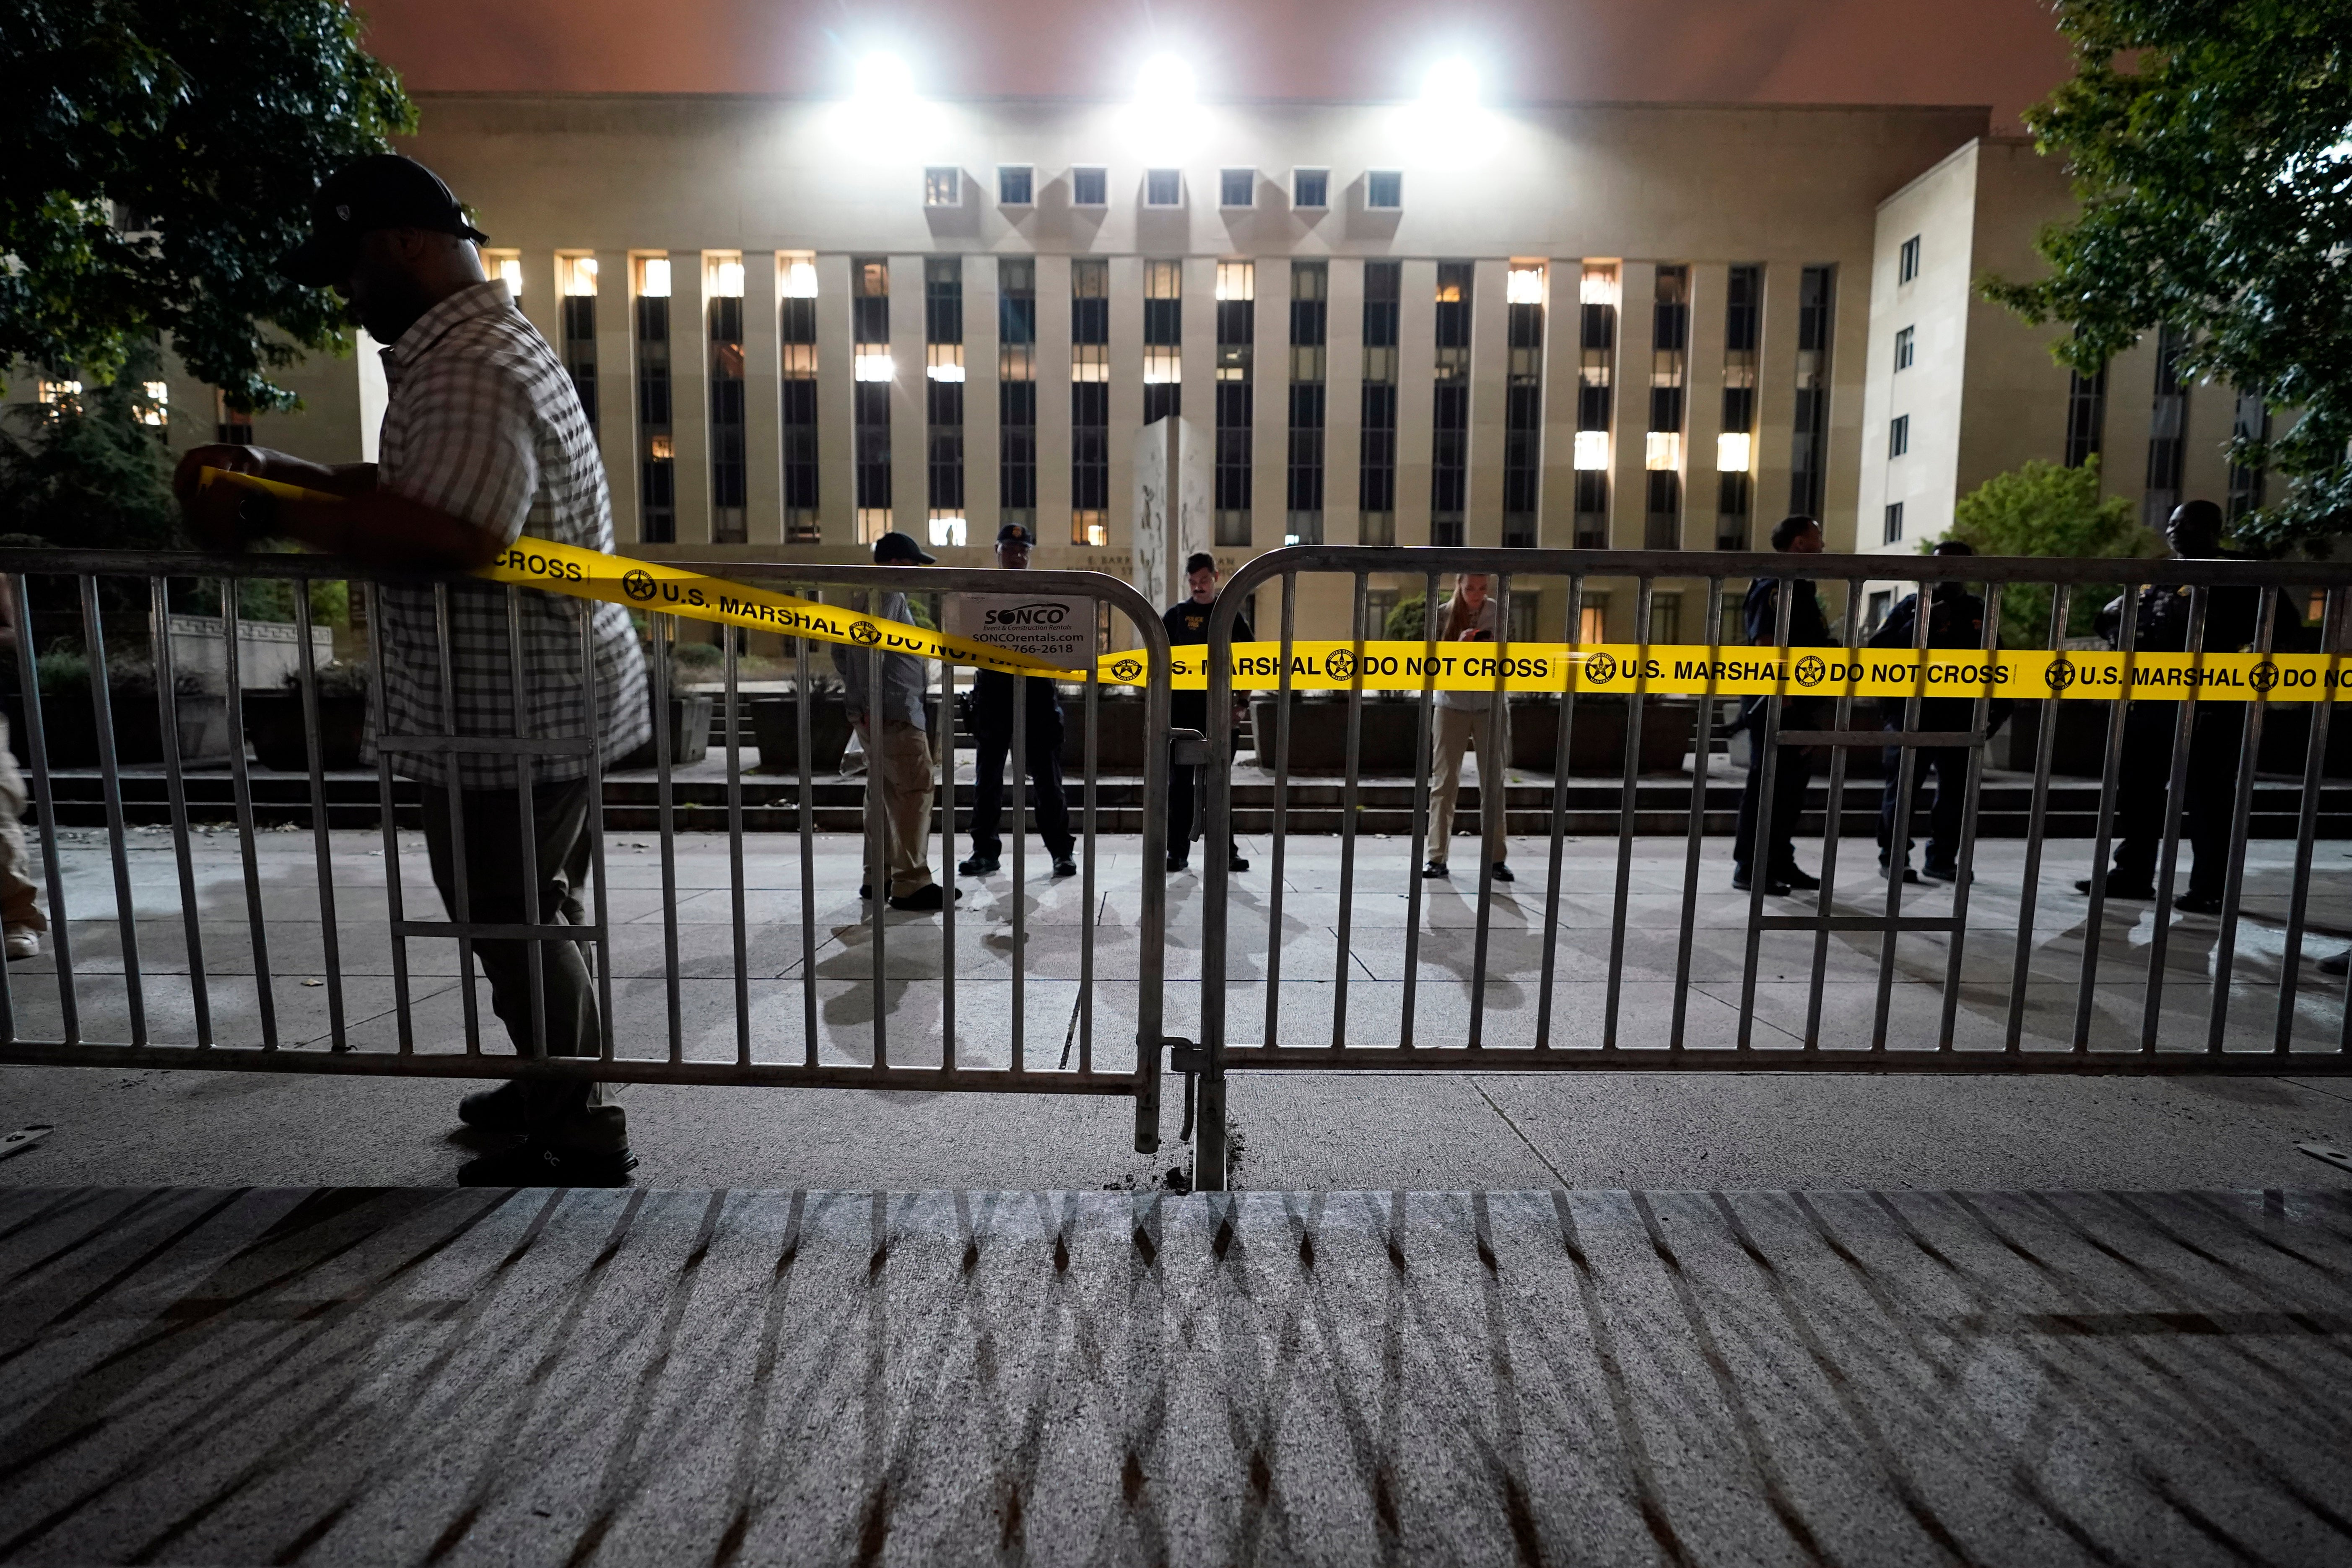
x=2208 y=145
x=162 y=158
x=2045 y=509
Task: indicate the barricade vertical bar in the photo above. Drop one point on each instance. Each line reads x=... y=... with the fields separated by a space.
x=947 y=766
x=1348 y=799
x=526 y=823
x=730 y=640
x=2315 y=759
x=1493 y=792
x=1695 y=844
x=2183 y=741
x=2119 y=716
x=117 y=831
x=1964 y=870
x=592 y=727
x=241 y=788
x=2234 y=875
x=168 y=715
x=1833 y=822
x=1209 y=1150
x=2037 y=823
x=1274 y=882
x=1019 y=825
x=878 y=841
x=323 y=844
x=1152 y=967
x=460 y=875
x=1087 y=880
x=37 y=751
x=1421 y=768
x=1894 y=859
x=1759 y=847
x=1644 y=598
x=1570 y=678
x=802 y=699
x=665 y=630
x=388 y=825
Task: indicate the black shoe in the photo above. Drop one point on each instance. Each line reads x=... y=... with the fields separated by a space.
x=933 y=897
x=1803 y=881
x=865 y=890
x=1236 y=863
x=1910 y=878
x=978 y=866
x=541 y=1165
x=1179 y=863
x=1065 y=867
x=2116 y=890
x=2198 y=903
x=497 y=1109
x=1502 y=873
x=1742 y=883
x=1435 y=868
x=1945 y=874
x=2340 y=964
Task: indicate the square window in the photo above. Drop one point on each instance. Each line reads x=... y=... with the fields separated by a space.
x=1017 y=185
x=1898 y=436
x=1163 y=187
x=1089 y=186
x=1903 y=349
x=1384 y=189
x=1907 y=268
x=1310 y=187
x=1894 y=523
x=1237 y=187
x=942 y=187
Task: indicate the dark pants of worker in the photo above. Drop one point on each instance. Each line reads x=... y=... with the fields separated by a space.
x=564 y=1112
x=992 y=733
x=2213 y=747
x=1949 y=765
x=1187 y=787
x=1793 y=772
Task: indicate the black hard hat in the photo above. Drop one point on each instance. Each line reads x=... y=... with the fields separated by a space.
x=383 y=190
x=896 y=546
x=1016 y=533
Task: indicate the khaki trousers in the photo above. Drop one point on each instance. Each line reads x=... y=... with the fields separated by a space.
x=900 y=766
x=1461 y=730
x=19 y=907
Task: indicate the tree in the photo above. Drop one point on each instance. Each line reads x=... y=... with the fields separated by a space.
x=161 y=158
x=2211 y=145
x=90 y=470
x=2045 y=508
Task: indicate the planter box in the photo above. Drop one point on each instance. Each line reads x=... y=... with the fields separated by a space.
x=775 y=721
x=274 y=723
x=1118 y=735
x=689 y=734
x=1596 y=743
x=71 y=730
x=267 y=652
x=2078 y=751
x=1318 y=737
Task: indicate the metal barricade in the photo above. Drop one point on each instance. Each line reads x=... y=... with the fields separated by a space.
x=99 y=1008
x=2038 y=1009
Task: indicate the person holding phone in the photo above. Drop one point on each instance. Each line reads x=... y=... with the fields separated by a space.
x=1465 y=722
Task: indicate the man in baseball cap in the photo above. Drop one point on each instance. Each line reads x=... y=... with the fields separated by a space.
x=894 y=549
x=383 y=191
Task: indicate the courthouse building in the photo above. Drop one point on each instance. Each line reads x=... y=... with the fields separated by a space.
x=797 y=324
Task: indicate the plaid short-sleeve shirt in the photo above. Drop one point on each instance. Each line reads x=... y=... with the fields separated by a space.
x=482 y=423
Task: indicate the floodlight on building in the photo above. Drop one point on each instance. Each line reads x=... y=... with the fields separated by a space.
x=883 y=82
x=1451 y=83
x=1166 y=82
x=1592 y=450
x=1732 y=452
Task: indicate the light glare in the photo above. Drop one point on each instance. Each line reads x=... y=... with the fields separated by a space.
x=875 y=367
x=882 y=80
x=1166 y=83
x=1451 y=84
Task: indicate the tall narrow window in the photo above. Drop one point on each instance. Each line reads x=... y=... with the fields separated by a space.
x=1662 y=452
x=1905 y=341
x=943 y=396
x=1016 y=391
x=1734 y=444
x=1449 y=455
x=796 y=334
x=1089 y=401
x=869 y=325
x=1236 y=332
x=1891 y=531
x=575 y=276
x=1906 y=265
x=1377 y=448
x=2252 y=424
x=727 y=500
x=1163 y=337
x=2086 y=416
x=1898 y=436
x=2167 y=429
x=1310 y=295
x=1597 y=300
x=1522 y=294
x=1808 y=444
x=657 y=442
x=231 y=426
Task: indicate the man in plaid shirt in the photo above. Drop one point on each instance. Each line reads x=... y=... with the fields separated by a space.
x=484 y=442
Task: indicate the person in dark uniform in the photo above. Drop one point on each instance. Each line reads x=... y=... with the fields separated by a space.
x=1792 y=769
x=1955 y=620
x=1188 y=625
x=992 y=728
x=2233 y=622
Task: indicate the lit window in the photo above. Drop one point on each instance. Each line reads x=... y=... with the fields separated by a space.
x=1662 y=450
x=1732 y=452
x=1310 y=187
x=159 y=403
x=942 y=187
x=1089 y=185
x=653 y=280
x=58 y=391
x=1903 y=349
x=1384 y=189
x=1592 y=450
x=1524 y=286
x=577 y=274
x=799 y=276
x=727 y=278
x=1599 y=285
x=874 y=367
x=1907 y=268
x=509 y=272
x=1593 y=622
x=947 y=528
x=1163 y=187
x=1236 y=281
x=662 y=448
x=1894 y=523
x=946 y=361
x=1237 y=187
x=1017 y=185
x=1898 y=436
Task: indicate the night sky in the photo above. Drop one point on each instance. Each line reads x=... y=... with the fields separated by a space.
x=2004 y=53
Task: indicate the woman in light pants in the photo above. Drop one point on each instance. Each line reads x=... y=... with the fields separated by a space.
x=1464 y=722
